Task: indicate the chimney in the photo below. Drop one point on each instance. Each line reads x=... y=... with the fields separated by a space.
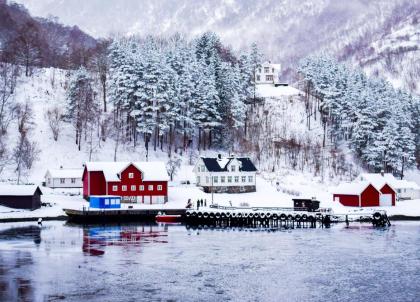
x=382 y=172
x=219 y=156
x=61 y=167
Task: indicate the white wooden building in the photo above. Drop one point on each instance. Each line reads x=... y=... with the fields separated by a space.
x=64 y=178
x=226 y=174
x=267 y=73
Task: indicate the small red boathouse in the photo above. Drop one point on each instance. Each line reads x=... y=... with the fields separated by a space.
x=359 y=194
x=135 y=182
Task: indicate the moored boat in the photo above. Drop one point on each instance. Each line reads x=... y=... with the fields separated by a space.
x=162 y=217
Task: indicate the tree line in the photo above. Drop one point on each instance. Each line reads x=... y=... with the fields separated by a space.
x=380 y=124
x=168 y=94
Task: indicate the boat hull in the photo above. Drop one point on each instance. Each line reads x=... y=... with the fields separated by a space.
x=169 y=218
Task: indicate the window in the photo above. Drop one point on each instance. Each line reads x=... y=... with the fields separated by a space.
x=258 y=78
x=62 y=180
x=215 y=179
x=159 y=187
x=222 y=179
x=203 y=169
x=207 y=179
x=259 y=70
x=236 y=178
x=233 y=168
x=250 y=178
x=124 y=188
x=106 y=201
x=229 y=178
x=114 y=188
x=150 y=188
x=243 y=178
x=272 y=70
x=130 y=175
x=133 y=188
x=266 y=69
x=49 y=180
x=268 y=77
x=112 y=201
x=73 y=180
x=141 y=188
x=198 y=179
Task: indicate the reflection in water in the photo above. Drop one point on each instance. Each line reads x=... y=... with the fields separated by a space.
x=22 y=233
x=15 y=286
x=97 y=238
x=208 y=264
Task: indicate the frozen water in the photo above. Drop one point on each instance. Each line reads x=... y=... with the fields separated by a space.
x=140 y=262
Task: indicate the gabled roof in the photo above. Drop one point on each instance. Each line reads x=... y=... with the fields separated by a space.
x=214 y=164
x=152 y=171
x=246 y=164
x=19 y=190
x=354 y=188
x=65 y=173
x=377 y=179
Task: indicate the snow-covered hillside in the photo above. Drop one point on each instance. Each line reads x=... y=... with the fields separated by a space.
x=391 y=52
x=45 y=90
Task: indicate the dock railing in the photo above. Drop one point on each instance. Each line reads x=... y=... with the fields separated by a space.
x=286 y=209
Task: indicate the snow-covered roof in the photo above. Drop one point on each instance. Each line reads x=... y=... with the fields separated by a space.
x=216 y=164
x=405 y=184
x=152 y=171
x=271 y=91
x=273 y=65
x=65 y=173
x=18 y=190
x=377 y=179
x=353 y=188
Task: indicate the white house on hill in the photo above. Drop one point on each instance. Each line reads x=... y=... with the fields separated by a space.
x=267 y=73
x=226 y=174
x=64 y=178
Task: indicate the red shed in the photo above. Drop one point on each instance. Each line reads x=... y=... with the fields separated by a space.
x=358 y=194
x=135 y=182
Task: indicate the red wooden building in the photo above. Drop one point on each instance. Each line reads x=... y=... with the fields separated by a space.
x=364 y=194
x=136 y=182
x=360 y=194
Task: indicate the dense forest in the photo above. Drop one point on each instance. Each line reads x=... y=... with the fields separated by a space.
x=379 y=123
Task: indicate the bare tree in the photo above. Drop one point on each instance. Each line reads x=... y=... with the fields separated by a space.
x=8 y=77
x=3 y=154
x=173 y=165
x=25 y=152
x=55 y=117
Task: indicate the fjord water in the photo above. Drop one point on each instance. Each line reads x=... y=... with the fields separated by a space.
x=150 y=262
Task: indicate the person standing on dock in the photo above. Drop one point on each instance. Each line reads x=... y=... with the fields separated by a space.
x=189 y=204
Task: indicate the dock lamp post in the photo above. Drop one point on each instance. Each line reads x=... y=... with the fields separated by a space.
x=212 y=193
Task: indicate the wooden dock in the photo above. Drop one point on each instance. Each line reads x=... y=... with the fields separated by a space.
x=100 y=215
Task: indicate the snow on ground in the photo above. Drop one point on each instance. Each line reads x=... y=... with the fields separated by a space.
x=271 y=91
